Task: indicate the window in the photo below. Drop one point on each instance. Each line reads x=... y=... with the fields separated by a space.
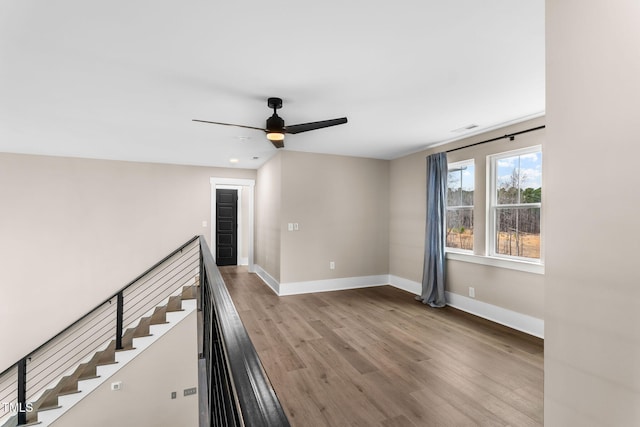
x=515 y=204
x=460 y=187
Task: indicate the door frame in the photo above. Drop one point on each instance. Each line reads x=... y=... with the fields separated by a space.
x=242 y=185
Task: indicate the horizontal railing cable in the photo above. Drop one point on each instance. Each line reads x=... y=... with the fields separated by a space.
x=96 y=330
x=195 y=238
x=237 y=392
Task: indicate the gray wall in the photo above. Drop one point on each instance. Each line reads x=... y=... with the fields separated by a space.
x=74 y=231
x=592 y=316
x=341 y=206
x=519 y=291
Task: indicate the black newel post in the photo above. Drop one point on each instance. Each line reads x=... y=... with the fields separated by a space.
x=22 y=391
x=119 y=320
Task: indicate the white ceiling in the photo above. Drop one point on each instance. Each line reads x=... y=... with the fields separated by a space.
x=122 y=79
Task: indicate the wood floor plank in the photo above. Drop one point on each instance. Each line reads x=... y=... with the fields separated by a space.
x=376 y=357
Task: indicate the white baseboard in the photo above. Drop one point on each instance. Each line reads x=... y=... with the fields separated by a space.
x=340 y=284
x=307 y=287
x=405 y=284
x=266 y=278
x=521 y=322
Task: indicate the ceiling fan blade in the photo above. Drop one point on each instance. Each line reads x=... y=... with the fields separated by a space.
x=304 y=127
x=229 y=124
x=278 y=144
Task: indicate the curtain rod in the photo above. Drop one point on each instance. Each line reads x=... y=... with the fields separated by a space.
x=511 y=137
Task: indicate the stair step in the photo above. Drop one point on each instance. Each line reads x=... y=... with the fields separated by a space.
x=105 y=363
x=67 y=393
x=49 y=408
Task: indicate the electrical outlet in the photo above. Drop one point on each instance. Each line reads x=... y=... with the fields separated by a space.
x=332 y=265
x=296 y=226
x=472 y=292
x=174 y=394
x=116 y=386
x=290 y=226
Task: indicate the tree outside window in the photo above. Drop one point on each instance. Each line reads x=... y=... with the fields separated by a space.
x=460 y=189
x=516 y=204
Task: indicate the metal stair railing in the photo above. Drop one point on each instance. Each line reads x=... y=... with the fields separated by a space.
x=235 y=390
x=24 y=382
x=238 y=390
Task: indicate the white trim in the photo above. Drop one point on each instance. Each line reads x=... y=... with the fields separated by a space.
x=492 y=203
x=511 y=264
x=521 y=322
x=518 y=321
x=249 y=185
x=343 y=283
x=405 y=284
x=267 y=278
x=239 y=228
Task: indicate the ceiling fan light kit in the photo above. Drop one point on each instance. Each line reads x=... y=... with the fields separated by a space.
x=275 y=127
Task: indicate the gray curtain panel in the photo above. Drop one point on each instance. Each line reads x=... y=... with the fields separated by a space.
x=435 y=233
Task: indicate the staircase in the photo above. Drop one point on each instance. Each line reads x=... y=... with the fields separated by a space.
x=58 y=374
x=87 y=376
x=42 y=386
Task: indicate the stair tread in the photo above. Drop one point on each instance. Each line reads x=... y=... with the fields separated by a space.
x=87 y=371
x=106 y=363
x=67 y=393
x=48 y=408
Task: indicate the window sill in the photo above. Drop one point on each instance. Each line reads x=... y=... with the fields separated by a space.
x=529 y=267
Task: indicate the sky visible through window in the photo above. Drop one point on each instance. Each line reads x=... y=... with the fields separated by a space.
x=529 y=167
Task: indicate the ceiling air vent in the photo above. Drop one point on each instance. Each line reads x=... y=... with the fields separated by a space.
x=465 y=128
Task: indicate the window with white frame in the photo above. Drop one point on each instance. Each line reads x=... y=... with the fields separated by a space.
x=515 y=203
x=460 y=188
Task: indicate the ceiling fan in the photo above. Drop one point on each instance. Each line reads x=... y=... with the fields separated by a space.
x=276 y=129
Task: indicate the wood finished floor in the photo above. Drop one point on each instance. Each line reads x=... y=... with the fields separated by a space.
x=377 y=357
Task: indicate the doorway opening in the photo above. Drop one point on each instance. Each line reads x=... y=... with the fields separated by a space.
x=244 y=219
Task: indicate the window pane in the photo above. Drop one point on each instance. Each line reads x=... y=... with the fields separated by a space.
x=468 y=185
x=460 y=185
x=519 y=179
x=453 y=188
x=518 y=232
x=460 y=228
x=508 y=180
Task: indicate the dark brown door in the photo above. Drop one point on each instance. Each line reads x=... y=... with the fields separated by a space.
x=226 y=227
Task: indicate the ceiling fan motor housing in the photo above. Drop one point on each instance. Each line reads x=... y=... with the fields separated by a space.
x=275 y=123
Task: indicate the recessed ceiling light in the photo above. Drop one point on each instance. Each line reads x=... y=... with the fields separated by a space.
x=255 y=157
x=233 y=160
x=243 y=138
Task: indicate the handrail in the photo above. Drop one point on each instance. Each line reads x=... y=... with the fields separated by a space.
x=98 y=333
x=235 y=389
x=254 y=397
x=115 y=295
